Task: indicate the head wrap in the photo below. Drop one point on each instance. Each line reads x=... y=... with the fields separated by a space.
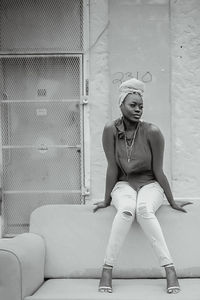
x=130 y=86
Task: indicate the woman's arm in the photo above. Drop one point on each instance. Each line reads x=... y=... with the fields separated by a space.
x=156 y=141
x=112 y=168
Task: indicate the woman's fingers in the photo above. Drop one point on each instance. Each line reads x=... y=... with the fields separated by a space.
x=182 y=209
x=177 y=207
x=95 y=209
x=99 y=205
x=186 y=203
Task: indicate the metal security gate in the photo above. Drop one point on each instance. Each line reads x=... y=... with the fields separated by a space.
x=41 y=141
x=42 y=108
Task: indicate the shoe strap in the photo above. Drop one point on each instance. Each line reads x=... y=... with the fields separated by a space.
x=169 y=266
x=108 y=267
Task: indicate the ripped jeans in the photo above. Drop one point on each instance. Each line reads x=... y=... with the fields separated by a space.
x=142 y=205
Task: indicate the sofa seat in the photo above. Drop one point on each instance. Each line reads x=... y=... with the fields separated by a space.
x=126 y=289
x=62 y=255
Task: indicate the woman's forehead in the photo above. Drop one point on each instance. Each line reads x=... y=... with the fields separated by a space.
x=134 y=98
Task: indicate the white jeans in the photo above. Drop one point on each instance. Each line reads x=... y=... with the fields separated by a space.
x=142 y=205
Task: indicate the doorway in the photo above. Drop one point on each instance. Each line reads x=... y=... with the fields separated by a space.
x=43 y=97
x=41 y=135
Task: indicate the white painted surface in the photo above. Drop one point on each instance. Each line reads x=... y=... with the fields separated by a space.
x=99 y=92
x=185 y=82
x=139 y=47
x=183 y=96
x=0 y=227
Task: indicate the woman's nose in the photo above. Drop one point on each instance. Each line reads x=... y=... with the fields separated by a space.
x=137 y=109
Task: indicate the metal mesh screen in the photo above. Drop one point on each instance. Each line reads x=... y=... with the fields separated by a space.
x=18 y=207
x=41 y=134
x=41 y=26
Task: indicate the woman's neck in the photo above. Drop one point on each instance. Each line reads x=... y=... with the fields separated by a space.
x=129 y=125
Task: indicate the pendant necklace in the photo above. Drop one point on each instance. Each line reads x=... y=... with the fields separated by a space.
x=130 y=148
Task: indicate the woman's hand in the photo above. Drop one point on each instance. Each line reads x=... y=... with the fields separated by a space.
x=99 y=205
x=178 y=205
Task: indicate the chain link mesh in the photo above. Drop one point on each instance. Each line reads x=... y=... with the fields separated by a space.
x=41 y=25
x=18 y=207
x=35 y=169
x=41 y=134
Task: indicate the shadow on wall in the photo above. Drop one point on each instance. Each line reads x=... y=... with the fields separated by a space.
x=0 y=201
x=0 y=210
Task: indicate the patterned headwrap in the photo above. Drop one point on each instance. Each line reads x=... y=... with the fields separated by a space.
x=130 y=86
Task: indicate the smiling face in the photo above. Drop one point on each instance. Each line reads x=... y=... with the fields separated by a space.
x=132 y=107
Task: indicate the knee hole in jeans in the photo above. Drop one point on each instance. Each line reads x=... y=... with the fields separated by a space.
x=144 y=212
x=127 y=214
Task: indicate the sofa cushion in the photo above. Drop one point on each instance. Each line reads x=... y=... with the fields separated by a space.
x=21 y=265
x=123 y=289
x=76 y=240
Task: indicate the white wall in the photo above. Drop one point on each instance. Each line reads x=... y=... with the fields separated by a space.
x=99 y=93
x=185 y=93
x=139 y=46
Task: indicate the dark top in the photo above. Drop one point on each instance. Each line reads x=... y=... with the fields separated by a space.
x=138 y=171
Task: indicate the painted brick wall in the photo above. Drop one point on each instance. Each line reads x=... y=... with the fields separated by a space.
x=185 y=95
x=99 y=93
x=185 y=99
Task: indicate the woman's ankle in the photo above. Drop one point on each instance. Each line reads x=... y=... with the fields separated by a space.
x=171 y=276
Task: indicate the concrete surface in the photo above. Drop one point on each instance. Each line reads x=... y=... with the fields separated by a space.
x=185 y=90
x=129 y=289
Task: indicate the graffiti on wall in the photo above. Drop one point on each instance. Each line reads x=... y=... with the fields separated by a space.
x=120 y=77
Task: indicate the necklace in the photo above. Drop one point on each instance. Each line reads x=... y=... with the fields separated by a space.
x=130 y=148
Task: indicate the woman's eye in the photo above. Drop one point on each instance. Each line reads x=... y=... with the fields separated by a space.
x=134 y=105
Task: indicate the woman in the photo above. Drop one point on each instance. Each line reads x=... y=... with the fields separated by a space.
x=135 y=182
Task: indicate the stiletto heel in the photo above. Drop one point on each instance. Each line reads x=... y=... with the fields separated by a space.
x=174 y=289
x=103 y=288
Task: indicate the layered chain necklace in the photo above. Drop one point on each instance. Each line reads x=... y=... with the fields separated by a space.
x=129 y=148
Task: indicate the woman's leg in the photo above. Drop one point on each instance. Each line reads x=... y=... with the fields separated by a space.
x=124 y=200
x=150 y=198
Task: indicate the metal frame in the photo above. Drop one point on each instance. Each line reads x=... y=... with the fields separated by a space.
x=84 y=107
x=85 y=103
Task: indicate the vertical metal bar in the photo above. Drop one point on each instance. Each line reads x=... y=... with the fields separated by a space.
x=81 y=131
x=3 y=216
x=1 y=160
x=86 y=130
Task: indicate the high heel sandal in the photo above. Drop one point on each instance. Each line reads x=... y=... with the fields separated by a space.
x=172 y=289
x=102 y=288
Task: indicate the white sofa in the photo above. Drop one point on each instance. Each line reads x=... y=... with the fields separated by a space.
x=62 y=255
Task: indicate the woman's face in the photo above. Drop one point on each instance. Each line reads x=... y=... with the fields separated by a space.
x=132 y=107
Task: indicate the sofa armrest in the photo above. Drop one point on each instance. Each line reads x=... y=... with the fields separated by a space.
x=21 y=266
